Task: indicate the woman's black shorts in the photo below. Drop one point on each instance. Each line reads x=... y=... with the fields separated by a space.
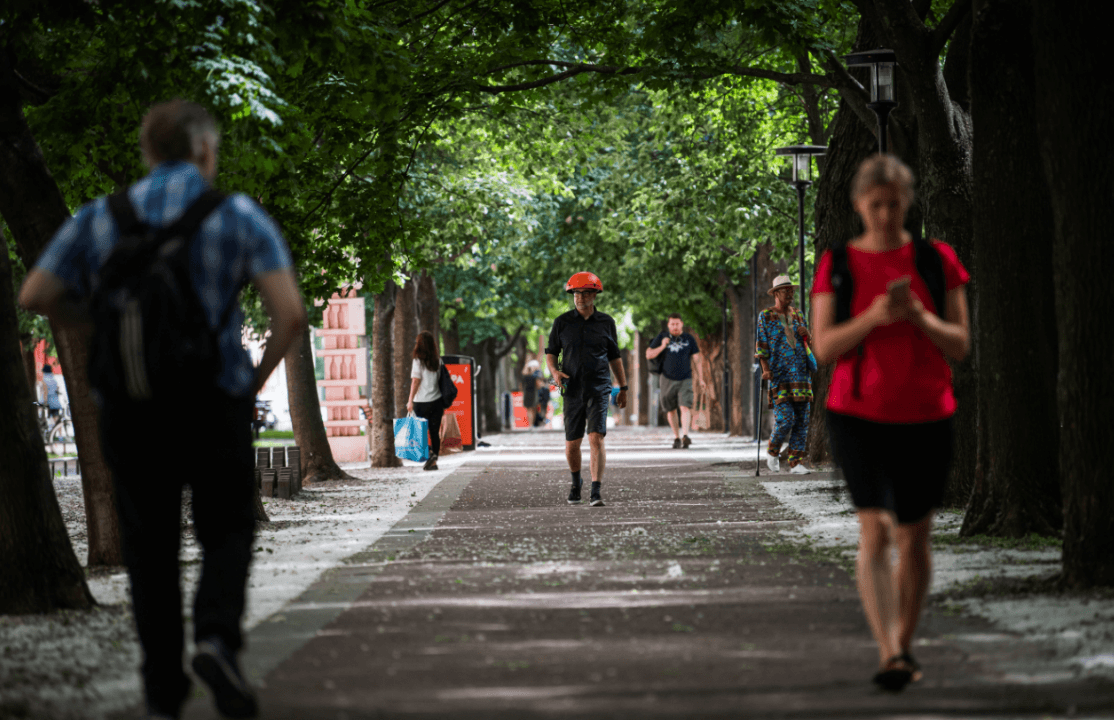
x=897 y=467
x=586 y=404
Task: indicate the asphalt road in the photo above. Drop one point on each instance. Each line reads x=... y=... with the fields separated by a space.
x=494 y=598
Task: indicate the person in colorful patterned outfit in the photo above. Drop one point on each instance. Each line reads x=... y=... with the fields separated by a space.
x=781 y=348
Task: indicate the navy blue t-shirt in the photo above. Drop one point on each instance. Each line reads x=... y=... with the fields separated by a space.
x=677 y=360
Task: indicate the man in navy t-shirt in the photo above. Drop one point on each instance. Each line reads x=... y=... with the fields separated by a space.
x=676 y=376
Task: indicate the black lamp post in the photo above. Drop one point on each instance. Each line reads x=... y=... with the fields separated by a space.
x=881 y=63
x=801 y=178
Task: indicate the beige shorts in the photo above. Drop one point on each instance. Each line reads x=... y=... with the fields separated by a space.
x=675 y=393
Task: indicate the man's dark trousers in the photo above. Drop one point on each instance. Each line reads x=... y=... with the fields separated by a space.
x=154 y=450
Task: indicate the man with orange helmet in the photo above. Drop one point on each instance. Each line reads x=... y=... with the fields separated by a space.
x=588 y=345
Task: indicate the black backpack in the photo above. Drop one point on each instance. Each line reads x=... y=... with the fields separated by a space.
x=152 y=339
x=446 y=385
x=929 y=266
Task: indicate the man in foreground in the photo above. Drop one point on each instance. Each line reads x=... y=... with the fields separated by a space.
x=587 y=343
x=677 y=370
x=236 y=242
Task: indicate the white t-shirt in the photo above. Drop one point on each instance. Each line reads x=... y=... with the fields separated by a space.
x=428 y=390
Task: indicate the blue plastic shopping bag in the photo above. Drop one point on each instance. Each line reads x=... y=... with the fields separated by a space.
x=412 y=438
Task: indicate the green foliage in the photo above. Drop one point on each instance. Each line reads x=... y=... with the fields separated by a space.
x=390 y=137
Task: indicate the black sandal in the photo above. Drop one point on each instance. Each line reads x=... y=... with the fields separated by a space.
x=914 y=666
x=894 y=675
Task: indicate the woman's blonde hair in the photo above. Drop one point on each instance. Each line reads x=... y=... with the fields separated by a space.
x=881 y=169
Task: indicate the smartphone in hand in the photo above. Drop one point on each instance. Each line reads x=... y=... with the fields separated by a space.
x=898 y=289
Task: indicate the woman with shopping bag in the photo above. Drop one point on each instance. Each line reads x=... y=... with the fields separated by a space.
x=425 y=395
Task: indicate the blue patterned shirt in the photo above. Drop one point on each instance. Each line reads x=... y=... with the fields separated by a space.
x=791 y=380
x=237 y=242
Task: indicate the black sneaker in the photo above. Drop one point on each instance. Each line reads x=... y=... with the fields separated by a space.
x=574 y=494
x=216 y=665
x=676 y=443
x=685 y=442
x=430 y=464
x=595 y=500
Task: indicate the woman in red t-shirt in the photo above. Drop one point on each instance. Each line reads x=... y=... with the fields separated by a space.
x=890 y=403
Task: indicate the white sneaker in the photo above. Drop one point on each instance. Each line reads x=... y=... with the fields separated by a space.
x=773 y=462
x=799 y=470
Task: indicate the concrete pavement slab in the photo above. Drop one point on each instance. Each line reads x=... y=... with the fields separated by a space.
x=494 y=598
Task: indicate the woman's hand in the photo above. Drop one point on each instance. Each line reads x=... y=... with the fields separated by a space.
x=410 y=406
x=886 y=309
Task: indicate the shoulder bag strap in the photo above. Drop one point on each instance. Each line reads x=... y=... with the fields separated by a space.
x=122 y=211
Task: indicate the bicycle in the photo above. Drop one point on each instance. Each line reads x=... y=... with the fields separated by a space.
x=55 y=430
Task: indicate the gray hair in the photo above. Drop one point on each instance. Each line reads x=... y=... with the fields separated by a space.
x=176 y=130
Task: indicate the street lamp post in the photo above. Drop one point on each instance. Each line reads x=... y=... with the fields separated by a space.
x=800 y=178
x=881 y=63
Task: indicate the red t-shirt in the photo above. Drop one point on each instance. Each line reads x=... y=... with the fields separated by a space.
x=904 y=378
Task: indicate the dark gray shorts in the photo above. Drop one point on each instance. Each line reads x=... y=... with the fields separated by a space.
x=675 y=393
x=586 y=407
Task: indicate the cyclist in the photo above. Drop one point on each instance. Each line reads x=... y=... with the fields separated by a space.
x=50 y=388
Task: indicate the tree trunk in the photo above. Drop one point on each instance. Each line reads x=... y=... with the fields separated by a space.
x=305 y=414
x=1017 y=489
x=739 y=355
x=486 y=367
x=34 y=209
x=429 y=309
x=451 y=338
x=1074 y=107
x=644 y=396
x=27 y=348
x=382 y=383
x=102 y=524
x=405 y=329
x=710 y=358
x=37 y=561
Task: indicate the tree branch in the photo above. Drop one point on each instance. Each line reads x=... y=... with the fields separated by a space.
x=572 y=72
x=944 y=29
x=499 y=354
x=31 y=92
x=574 y=69
x=850 y=90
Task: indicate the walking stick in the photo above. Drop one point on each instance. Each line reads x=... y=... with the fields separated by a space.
x=758 y=429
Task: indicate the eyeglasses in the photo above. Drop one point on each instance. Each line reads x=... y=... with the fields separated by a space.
x=584 y=292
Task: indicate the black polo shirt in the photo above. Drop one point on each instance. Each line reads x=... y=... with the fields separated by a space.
x=586 y=346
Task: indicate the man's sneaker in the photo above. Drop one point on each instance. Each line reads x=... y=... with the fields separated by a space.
x=574 y=494
x=799 y=470
x=685 y=442
x=595 y=500
x=676 y=443
x=216 y=665
x=773 y=463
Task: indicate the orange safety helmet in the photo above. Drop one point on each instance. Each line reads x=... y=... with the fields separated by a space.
x=584 y=281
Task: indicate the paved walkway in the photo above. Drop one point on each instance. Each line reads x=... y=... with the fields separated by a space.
x=494 y=598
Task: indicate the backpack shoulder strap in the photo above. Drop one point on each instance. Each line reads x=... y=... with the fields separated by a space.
x=187 y=225
x=122 y=211
x=930 y=266
x=842 y=282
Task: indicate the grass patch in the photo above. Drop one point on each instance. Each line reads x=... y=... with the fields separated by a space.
x=1032 y=541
